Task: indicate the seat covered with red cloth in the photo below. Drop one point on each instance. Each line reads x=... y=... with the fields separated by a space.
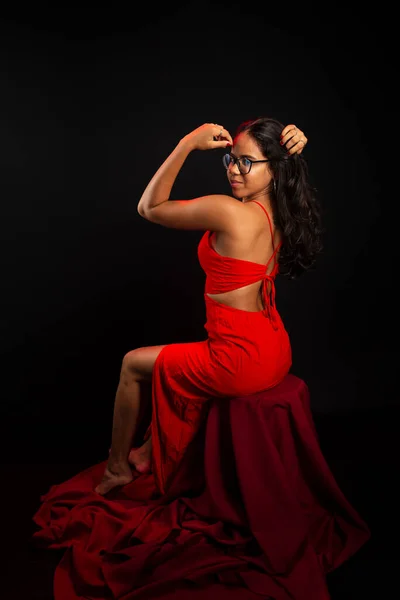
x=253 y=512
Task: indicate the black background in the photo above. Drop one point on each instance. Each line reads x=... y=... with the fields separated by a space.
x=92 y=102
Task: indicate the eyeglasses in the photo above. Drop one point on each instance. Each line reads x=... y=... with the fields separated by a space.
x=244 y=164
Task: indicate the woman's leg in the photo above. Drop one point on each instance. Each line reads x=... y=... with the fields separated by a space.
x=137 y=366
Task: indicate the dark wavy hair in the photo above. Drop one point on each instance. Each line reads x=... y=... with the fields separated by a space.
x=296 y=210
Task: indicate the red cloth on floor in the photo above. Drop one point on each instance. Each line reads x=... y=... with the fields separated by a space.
x=260 y=517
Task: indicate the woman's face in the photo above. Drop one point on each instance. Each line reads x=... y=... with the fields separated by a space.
x=253 y=184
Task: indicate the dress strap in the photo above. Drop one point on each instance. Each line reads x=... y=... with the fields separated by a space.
x=273 y=254
x=269 y=299
x=272 y=235
x=269 y=220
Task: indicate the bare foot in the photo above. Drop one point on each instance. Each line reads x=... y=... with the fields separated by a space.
x=114 y=476
x=140 y=458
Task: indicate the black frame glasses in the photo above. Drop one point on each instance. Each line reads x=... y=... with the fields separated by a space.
x=244 y=164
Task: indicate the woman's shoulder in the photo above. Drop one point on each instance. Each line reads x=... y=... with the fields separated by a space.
x=259 y=225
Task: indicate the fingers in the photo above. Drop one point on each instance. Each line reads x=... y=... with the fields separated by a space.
x=226 y=137
x=220 y=134
x=293 y=139
x=287 y=130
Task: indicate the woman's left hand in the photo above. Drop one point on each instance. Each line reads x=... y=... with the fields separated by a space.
x=294 y=139
x=208 y=137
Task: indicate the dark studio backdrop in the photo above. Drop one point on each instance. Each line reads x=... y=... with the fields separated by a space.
x=92 y=102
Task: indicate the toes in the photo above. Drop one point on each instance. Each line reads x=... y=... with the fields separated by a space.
x=143 y=469
x=110 y=481
x=105 y=486
x=100 y=490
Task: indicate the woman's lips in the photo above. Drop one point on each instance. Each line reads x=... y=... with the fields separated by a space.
x=235 y=183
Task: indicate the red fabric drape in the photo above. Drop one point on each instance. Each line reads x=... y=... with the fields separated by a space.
x=253 y=512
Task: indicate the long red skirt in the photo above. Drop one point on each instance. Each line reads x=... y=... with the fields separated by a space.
x=251 y=508
x=244 y=353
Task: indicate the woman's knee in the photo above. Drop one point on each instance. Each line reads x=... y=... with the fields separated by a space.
x=131 y=361
x=140 y=362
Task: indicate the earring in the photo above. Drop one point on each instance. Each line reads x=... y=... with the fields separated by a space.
x=274 y=186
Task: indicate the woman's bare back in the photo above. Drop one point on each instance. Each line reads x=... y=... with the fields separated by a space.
x=252 y=242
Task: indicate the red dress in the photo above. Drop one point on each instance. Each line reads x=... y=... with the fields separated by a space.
x=244 y=353
x=253 y=512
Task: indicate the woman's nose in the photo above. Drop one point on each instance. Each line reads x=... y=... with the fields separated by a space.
x=234 y=165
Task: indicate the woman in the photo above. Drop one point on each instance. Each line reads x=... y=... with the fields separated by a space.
x=247 y=347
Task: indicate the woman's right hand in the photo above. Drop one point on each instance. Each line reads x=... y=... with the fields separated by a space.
x=208 y=137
